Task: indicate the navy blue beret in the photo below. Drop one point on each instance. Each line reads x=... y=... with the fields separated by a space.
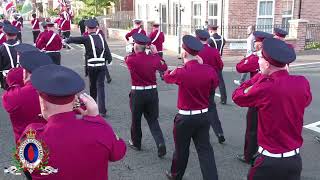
x=91 y=23
x=10 y=29
x=23 y=47
x=141 y=39
x=280 y=32
x=56 y=80
x=277 y=52
x=31 y=60
x=260 y=35
x=202 y=34
x=191 y=44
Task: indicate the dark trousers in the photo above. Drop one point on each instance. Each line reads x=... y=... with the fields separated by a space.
x=19 y=37
x=65 y=34
x=250 y=143
x=213 y=116
x=195 y=127
x=3 y=82
x=56 y=57
x=222 y=87
x=269 y=168
x=96 y=83
x=35 y=35
x=145 y=102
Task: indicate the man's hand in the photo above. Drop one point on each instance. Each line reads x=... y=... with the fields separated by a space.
x=91 y=105
x=153 y=49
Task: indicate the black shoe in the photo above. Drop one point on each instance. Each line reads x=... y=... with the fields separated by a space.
x=162 y=150
x=241 y=158
x=132 y=146
x=221 y=139
x=170 y=176
x=109 y=81
x=223 y=102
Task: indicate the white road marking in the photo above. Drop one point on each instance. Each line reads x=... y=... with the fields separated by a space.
x=117 y=56
x=218 y=95
x=80 y=46
x=123 y=65
x=313 y=126
x=304 y=64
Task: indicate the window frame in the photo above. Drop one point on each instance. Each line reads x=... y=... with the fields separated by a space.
x=199 y=17
x=217 y=18
x=266 y=16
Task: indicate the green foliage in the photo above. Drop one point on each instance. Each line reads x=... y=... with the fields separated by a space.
x=19 y=7
x=313 y=45
x=53 y=12
x=99 y=4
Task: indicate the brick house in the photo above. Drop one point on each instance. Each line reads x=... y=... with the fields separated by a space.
x=233 y=16
x=124 y=5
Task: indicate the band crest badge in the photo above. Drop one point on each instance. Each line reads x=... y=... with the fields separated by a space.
x=31 y=155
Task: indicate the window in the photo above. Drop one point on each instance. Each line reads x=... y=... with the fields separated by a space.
x=196 y=16
x=213 y=13
x=139 y=11
x=287 y=13
x=265 y=15
x=164 y=18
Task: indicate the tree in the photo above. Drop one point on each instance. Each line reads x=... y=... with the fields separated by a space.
x=98 y=5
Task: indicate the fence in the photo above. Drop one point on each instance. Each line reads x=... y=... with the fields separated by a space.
x=313 y=34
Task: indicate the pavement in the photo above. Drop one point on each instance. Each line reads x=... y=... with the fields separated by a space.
x=145 y=165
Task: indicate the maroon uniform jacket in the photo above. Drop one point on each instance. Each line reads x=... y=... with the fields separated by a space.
x=193 y=94
x=35 y=24
x=17 y=24
x=157 y=39
x=281 y=100
x=65 y=24
x=143 y=68
x=249 y=64
x=44 y=44
x=133 y=31
x=79 y=147
x=21 y=102
x=211 y=56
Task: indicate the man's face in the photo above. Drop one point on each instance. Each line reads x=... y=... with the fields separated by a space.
x=263 y=64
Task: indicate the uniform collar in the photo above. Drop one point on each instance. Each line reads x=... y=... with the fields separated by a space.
x=192 y=62
x=141 y=53
x=279 y=73
x=61 y=117
x=11 y=41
